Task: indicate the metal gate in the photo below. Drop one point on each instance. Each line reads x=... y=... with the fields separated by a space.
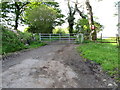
x=62 y=38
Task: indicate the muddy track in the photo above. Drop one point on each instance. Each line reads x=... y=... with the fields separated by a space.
x=53 y=66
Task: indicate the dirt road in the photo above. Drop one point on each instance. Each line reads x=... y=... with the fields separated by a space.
x=53 y=66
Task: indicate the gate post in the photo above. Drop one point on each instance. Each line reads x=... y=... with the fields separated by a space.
x=50 y=36
x=40 y=36
x=101 y=37
x=78 y=38
x=82 y=38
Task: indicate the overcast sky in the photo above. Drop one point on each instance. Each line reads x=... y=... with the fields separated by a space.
x=103 y=10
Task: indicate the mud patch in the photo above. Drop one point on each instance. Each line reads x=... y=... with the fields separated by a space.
x=39 y=74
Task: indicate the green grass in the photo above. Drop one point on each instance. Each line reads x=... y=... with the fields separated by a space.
x=36 y=45
x=107 y=40
x=50 y=39
x=106 y=54
x=32 y=45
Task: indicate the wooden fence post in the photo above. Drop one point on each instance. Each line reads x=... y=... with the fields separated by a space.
x=118 y=40
x=101 y=37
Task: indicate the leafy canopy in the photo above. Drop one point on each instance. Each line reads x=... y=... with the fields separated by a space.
x=41 y=18
x=82 y=26
x=12 y=12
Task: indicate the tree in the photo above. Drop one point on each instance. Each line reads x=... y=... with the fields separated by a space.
x=71 y=14
x=91 y=21
x=82 y=26
x=52 y=11
x=80 y=13
x=13 y=8
x=71 y=17
x=98 y=27
x=41 y=19
x=92 y=33
x=12 y=12
x=19 y=8
x=55 y=5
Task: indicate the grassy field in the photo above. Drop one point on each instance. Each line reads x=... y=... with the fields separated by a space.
x=107 y=40
x=106 y=54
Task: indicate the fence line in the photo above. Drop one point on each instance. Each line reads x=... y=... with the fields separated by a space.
x=103 y=39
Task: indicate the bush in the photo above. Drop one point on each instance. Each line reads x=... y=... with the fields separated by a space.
x=10 y=41
x=15 y=40
x=25 y=37
x=60 y=31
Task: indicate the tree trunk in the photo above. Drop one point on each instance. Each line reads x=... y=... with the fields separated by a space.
x=17 y=13
x=71 y=18
x=70 y=28
x=93 y=34
x=18 y=10
x=16 y=22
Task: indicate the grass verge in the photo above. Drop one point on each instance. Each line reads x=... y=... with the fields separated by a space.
x=36 y=45
x=105 y=54
x=32 y=45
